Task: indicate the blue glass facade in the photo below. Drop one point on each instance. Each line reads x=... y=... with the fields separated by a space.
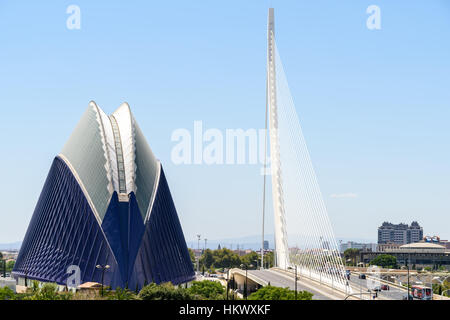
x=64 y=231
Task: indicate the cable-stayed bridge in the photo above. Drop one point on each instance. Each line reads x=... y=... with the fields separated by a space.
x=304 y=239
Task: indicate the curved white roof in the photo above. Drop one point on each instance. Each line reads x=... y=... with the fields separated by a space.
x=422 y=245
x=110 y=153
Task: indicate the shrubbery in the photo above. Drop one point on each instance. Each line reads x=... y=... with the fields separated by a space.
x=165 y=291
x=277 y=293
x=209 y=290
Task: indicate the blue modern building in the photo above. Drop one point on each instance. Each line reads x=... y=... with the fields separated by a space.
x=106 y=201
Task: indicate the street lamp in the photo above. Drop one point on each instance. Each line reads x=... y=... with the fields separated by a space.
x=407 y=268
x=198 y=251
x=246 y=282
x=103 y=268
x=295 y=280
x=228 y=286
x=4 y=268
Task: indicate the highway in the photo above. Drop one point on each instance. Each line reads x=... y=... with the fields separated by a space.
x=284 y=279
x=281 y=279
x=361 y=285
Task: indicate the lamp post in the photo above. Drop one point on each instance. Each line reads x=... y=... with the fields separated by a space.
x=228 y=287
x=198 y=251
x=295 y=280
x=246 y=278
x=4 y=268
x=103 y=268
x=407 y=268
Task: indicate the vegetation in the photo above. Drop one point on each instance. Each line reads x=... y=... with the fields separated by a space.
x=276 y=293
x=10 y=265
x=226 y=258
x=165 y=291
x=351 y=256
x=207 y=290
x=385 y=261
x=7 y=294
x=442 y=288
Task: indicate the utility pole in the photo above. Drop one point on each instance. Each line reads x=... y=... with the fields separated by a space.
x=407 y=267
x=198 y=251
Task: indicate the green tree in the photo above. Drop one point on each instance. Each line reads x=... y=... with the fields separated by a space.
x=10 y=265
x=47 y=292
x=165 y=291
x=207 y=259
x=209 y=290
x=250 y=259
x=121 y=294
x=385 y=261
x=225 y=258
x=192 y=255
x=351 y=254
x=7 y=294
x=277 y=293
x=268 y=259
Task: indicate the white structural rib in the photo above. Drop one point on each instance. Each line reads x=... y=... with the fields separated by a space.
x=125 y=124
x=281 y=243
x=109 y=147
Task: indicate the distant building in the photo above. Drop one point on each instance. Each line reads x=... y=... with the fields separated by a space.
x=417 y=255
x=399 y=233
x=266 y=245
x=383 y=247
x=356 y=245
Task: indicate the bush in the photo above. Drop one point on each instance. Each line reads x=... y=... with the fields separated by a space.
x=122 y=294
x=7 y=293
x=277 y=293
x=206 y=289
x=165 y=291
x=385 y=261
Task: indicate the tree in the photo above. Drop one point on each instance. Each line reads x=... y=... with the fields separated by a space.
x=225 y=258
x=385 y=261
x=250 y=259
x=10 y=265
x=6 y=293
x=121 y=294
x=207 y=259
x=351 y=254
x=209 y=290
x=165 y=291
x=268 y=259
x=192 y=255
x=277 y=293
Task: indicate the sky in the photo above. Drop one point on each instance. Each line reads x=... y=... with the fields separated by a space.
x=374 y=105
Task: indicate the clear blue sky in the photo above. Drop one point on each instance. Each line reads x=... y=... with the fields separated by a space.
x=374 y=104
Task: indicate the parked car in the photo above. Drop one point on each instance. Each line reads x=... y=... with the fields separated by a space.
x=385 y=287
x=362 y=276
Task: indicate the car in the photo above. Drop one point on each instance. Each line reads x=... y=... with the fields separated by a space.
x=385 y=287
x=377 y=288
x=362 y=276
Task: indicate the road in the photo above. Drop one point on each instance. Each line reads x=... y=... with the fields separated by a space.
x=362 y=285
x=283 y=280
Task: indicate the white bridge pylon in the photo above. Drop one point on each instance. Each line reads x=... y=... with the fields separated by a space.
x=303 y=235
